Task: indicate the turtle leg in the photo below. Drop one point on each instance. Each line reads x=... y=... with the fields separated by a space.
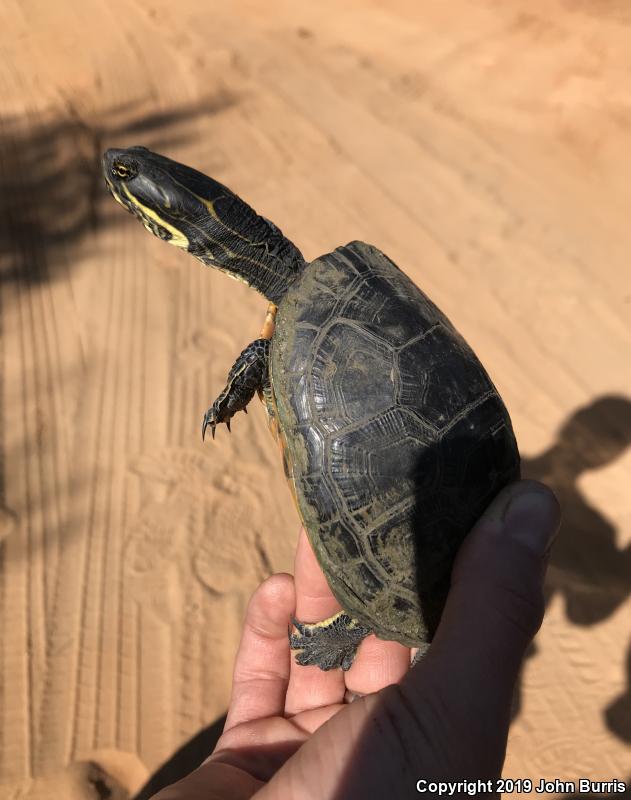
x=248 y=375
x=329 y=644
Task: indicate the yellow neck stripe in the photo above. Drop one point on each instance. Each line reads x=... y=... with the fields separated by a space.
x=177 y=237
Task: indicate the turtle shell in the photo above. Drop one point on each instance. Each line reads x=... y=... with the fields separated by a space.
x=395 y=438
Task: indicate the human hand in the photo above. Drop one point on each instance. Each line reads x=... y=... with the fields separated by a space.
x=289 y=735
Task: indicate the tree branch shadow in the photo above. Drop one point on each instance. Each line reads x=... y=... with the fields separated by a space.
x=51 y=187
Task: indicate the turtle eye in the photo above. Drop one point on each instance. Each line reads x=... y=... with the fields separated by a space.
x=122 y=171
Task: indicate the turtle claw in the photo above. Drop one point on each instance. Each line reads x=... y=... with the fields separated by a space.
x=299 y=626
x=210 y=420
x=204 y=427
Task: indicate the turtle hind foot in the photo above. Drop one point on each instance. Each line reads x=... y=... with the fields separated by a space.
x=248 y=374
x=330 y=644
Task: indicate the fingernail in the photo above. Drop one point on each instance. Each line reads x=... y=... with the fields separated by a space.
x=532 y=518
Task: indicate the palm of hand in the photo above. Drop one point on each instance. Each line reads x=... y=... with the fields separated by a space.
x=277 y=705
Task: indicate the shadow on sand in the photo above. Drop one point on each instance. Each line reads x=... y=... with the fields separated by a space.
x=52 y=196
x=587 y=567
x=51 y=187
x=184 y=760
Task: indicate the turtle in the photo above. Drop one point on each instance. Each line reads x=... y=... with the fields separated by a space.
x=393 y=437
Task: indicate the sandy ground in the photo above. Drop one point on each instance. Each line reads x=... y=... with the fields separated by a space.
x=484 y=147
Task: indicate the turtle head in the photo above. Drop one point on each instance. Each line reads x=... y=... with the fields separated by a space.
x=192 y=211
x=146 y=185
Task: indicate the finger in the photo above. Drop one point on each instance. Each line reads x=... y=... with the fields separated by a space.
x=495 y=604
x=494 y=608
x=377 y=664
x=310 y=687
x=261 y=670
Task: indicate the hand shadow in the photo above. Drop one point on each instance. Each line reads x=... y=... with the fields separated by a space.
x=189 y=756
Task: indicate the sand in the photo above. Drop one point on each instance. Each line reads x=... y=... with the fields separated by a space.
x=485 y=148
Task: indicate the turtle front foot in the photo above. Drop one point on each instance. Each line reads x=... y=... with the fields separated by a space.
x=213 y=417
x=329 y=644
x=248 y=375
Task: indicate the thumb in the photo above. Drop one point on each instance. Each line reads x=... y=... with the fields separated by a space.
x=495 y=604
x=494 y=608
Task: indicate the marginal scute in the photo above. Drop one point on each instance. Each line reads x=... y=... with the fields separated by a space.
x=396 y=436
